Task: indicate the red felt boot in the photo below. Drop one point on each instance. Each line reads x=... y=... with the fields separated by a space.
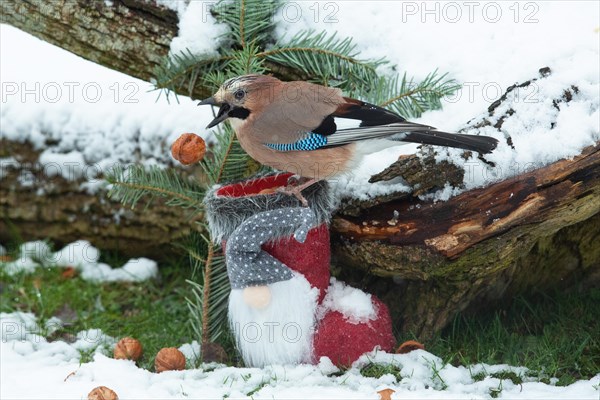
x=274 y=321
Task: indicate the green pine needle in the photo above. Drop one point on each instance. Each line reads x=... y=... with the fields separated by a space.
x=130 y=185
x=248 y=20
x=325 y=59
x=409 y=98
x=229 y=162
x=182 y=73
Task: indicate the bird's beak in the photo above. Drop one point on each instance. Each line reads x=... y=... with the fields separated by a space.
x=222 y=115
x=211 y=100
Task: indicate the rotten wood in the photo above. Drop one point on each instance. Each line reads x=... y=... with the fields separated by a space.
x=450 y=227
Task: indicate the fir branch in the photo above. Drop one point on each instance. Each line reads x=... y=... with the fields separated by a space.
x=208 y=303
x=326 y=58
x=186 y=70
x=132 y=184
x=269 y=53
x=242 y=22
x=248 y=20
x=229 y=161
x=408 y=98
x=246 y=62
x=231 y=139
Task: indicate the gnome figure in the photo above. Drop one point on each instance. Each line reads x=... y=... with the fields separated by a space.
x=277 y=252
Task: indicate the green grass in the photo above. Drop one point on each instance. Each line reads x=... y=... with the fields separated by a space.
x=375 y=370
x=552 y=334
x=154 y=312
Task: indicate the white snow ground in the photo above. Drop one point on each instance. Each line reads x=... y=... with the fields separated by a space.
x=33 y=368
x=82 y=256
x=100 y=117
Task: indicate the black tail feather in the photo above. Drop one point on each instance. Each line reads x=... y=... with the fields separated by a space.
x=481 y=144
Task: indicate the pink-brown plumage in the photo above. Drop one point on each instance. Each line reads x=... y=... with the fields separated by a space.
x=281 y=113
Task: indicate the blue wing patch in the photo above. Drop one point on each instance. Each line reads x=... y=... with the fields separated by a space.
x=312 y=141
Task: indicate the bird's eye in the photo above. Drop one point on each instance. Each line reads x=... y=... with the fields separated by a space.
x=239 y=94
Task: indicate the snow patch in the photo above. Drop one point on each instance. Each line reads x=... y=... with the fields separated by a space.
x=33 y=359
x=543 y=127
x=20 y=265
x=191 y=351
x=85 y=118
x=135 y=270
x=70 y=165
x=82 y=256
x=199 y=32
x=356 y=305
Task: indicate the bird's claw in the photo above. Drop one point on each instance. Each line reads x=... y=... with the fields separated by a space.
x=295 y=191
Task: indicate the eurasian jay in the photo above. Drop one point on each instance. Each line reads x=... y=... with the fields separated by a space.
x=293 y=127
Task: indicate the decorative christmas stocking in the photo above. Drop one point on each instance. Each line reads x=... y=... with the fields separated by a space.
x=277 y=256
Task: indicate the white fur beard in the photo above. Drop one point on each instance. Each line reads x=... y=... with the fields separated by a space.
x=280 y=333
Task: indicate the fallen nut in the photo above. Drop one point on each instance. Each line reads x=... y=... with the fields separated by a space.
x=408 y=346
x=102 y=393
x=386 y=394
x=128 y=349
x=213 y=352
x=169 y=359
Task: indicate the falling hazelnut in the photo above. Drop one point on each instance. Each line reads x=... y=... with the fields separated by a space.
x=188 y=149
x=128 y=349
x=102 y=393
x=169 y=359
x=408 y=346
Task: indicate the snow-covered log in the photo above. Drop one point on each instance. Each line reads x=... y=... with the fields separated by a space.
x=34 y=205
x=130 y=36
x=536 y=230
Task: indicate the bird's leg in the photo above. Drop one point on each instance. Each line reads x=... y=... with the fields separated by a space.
x=297 y=190
x=295 y=180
